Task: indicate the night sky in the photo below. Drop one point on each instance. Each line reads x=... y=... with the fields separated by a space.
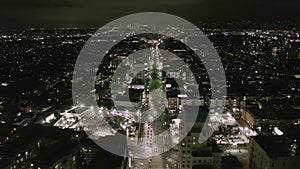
x=87 y=13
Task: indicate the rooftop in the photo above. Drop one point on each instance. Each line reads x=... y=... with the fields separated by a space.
x=200 y=117
x=276 y=146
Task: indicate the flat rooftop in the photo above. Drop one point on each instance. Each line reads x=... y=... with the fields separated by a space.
x=276 y=146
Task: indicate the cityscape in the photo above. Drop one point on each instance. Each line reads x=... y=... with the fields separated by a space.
x=41 y=127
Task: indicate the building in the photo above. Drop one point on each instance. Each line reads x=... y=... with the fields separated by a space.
x=193 y=155
x=231 y=162
x=273 y=152
x=38 y=147
x=254 y=117
x=268 y=113
x=128 y=100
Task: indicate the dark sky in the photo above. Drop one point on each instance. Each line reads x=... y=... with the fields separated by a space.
x=86 y=13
